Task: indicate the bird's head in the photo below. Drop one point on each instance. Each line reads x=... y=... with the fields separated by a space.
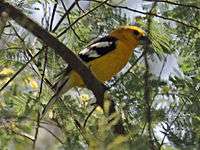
x=130 y=35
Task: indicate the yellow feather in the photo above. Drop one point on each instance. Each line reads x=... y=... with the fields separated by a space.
x=108 y=65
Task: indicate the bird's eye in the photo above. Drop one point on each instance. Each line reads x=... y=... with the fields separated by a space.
x=136 y=33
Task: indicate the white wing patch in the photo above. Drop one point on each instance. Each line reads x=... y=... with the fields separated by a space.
x=101 y=44
x=92 y=52
x=84 y=51
x=98 y=48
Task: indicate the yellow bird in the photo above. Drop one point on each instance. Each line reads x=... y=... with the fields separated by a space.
x=105 y=57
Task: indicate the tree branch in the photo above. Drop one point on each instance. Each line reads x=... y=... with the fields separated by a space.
x=148 y=13
x=67 y=55
x=174 y=3
x=82 y=16
x=147 y=84
x=53 y=14
x=63 y=17
x=36 y=130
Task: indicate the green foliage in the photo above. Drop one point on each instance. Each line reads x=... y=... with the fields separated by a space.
x=174 y=103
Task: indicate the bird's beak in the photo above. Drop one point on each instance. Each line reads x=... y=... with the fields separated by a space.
x=144 y=40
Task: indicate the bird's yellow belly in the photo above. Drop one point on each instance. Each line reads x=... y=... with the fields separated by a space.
x=105 y=67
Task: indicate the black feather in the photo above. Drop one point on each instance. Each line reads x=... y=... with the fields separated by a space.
x=99 y=51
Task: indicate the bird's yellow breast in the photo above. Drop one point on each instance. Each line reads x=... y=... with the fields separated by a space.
x=106 y=66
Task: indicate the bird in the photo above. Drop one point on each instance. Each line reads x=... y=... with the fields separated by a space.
x=104 y=56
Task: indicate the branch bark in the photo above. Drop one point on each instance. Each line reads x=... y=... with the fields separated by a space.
x=67 y=55
x=64 y=52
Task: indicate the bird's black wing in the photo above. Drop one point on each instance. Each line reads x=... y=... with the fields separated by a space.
x=95 y=49
x=98 y=48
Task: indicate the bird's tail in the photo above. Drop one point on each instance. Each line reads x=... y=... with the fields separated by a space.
x=59 y=88
x=69 y=79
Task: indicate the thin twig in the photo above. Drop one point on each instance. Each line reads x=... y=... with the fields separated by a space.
x=89 y=116
x=19 y=71
x=159 y=79
x=53 y=14
x=16 y=33
x=143 y=128
x=63 y=5
x=25 y=135
x=59 y=140
x=163 y=66
x=69 y=21
x=45 y=19
x=82 y=16
x=170 y=125
x=36 y=129
x=148 y=13
x=63 y=17
x=43 y=71
x=52 y=100
x=174 y=3
x=79 y=7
